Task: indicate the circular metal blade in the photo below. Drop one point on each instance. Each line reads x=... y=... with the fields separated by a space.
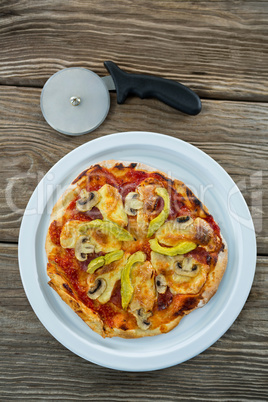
x=75 y=101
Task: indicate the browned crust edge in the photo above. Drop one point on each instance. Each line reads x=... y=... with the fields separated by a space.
x=215 y=276
x=64 y=290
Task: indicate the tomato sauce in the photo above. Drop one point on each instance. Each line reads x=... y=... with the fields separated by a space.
x=185 y=303
x=55 y=229
x=106 y=313
x=199 y=254
x=100 y=176
x=164 y=300
x=116 y=295
x=71 y=268
x=146 y=249
x=68 y=262
x=73 y=214
x=135 y=176
x=130 y=181
x=177 y=206
x=213 y=224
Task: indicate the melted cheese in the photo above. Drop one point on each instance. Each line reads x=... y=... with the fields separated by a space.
x=102 y=240
x=70 y=234
x=171 y=233
x=146 y=214
x=185 y=283
x=111 y=205
x=142 y=279
x=198 y=231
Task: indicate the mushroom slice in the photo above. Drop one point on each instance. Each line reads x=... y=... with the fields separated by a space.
x=142 y=318
x=97 y=289
x=83 y=247
x=87 y=201
x=184 y=221
x=186 y=267
x=161 y=284
x=133 y=203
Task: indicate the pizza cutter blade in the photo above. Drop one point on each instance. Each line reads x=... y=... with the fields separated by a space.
x=75 y=101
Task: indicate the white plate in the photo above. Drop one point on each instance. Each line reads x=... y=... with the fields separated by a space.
x=201 y=328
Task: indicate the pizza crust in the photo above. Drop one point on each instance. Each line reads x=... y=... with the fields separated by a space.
x=215 y=276
x=64 y=289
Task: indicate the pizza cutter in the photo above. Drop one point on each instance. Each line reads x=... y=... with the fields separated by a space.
x=75 y=100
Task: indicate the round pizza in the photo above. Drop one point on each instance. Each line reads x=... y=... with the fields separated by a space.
x=132 y=251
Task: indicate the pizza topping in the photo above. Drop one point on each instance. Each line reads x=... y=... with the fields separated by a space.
x=196 y=230
x=111 y=274
x=184 y=222
x=69 y=234
x=150 y=208
x=55 y=229
x=107 y=226
x=157 y=222
x=97 y=233
x=126 y=286
x=181 y=248
x=183 y=219
x=104 y=260
x=113 y=256
x=172 y=232
x=83 y=247
x=142 y=318
x=183 y=274
x=95 y=264
x=133 y=203
x=186 y=284
x=186 y=267
x=87 y=200
x=144 y=294
x=161 y=284
x=111 y=205
x=97 y=289
x=164 y=299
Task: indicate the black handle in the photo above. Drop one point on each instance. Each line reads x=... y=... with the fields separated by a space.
x=170 y=92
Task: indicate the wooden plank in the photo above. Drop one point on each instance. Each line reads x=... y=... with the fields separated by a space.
x=233 y=133
x=35 y=366
x=218 y=48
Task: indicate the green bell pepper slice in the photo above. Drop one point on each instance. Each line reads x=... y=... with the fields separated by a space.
x=126 y=286
x=181 y=248
x=95 y=264
x=104 y=260
x=113 y=256
x=157 y=222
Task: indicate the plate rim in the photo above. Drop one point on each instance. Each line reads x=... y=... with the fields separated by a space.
x=108 y=140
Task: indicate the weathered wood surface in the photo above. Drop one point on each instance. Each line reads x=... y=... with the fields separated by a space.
x=36 y=366
x=29 y=147
x=219 y=48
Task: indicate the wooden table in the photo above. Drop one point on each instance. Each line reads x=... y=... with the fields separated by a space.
x=217 y=48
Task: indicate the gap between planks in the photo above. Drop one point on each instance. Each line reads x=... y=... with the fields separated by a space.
x=210 y=98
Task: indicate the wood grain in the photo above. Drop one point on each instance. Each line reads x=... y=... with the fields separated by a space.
x=218 y=48
x=35 y=366
x=29 y=147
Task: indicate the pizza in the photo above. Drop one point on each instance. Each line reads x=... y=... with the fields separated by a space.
x=132 y=251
